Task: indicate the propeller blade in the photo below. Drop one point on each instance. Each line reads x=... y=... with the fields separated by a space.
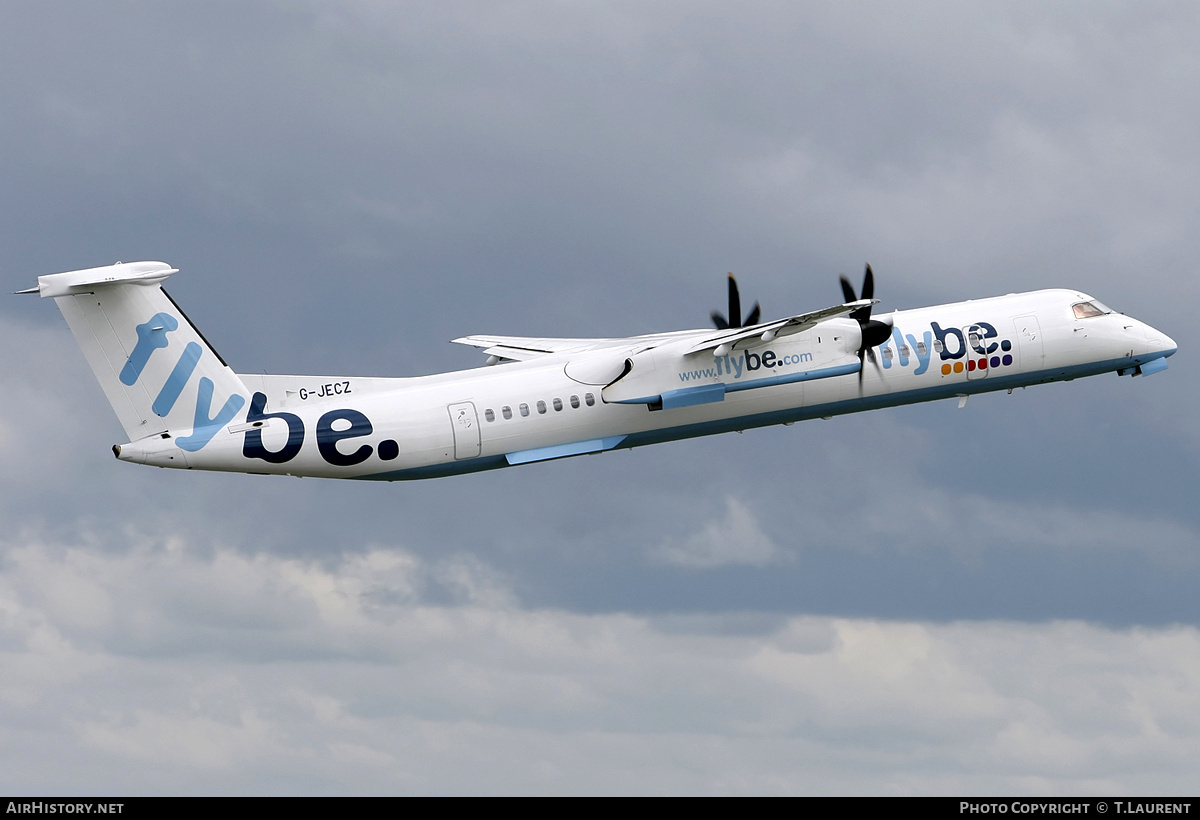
x=873 y=332
x=735 y=304
x=847 y=289
x=734 y=319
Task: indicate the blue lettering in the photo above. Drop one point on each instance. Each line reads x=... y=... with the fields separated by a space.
x=984 y=331
x=950 y=332
x=327 y=437
x=901 y=351
x=923 y=358
x=252 y=446
x=151 y=336
x=204 y=428
x=178 y=378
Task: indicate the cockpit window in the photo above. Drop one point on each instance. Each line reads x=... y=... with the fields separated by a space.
x=1084 y=310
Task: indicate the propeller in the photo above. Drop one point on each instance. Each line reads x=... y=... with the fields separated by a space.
x=735 y=310
x=874 y=332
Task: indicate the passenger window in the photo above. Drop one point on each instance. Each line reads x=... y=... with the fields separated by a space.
x=542 y=407
x=887 y=354
x=489 y=415
x=574 y=402
x=589 y=399
x=506 y=411
x=557 y=405
x=921 y=348
x=524 y=409
x=937 y=346
x=904 y=351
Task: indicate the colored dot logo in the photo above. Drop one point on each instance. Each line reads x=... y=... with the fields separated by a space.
x=982 y=362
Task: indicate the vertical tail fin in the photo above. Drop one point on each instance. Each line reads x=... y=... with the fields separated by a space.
x=159 y=373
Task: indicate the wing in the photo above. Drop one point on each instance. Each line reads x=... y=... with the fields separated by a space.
x=524 y=348
x=780 y=327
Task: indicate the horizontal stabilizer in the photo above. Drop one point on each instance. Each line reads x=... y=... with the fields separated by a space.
x=86 y=281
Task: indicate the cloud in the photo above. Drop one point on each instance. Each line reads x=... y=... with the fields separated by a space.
x=355 y=678
x=735 y=539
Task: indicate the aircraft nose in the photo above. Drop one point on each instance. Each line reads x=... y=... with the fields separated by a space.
x=1161 y=341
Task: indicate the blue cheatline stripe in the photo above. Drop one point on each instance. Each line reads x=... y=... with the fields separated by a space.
x=791 y=378
x=690 y=396
x=706 y=393
x=178 y=378
x=576 y=448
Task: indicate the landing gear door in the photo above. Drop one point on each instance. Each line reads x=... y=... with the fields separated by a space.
x=465 y=425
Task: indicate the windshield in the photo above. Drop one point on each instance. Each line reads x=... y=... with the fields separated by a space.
x=1083 y=310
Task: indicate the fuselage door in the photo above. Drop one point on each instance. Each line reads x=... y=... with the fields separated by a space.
x=465 y=424
x=1029 y=342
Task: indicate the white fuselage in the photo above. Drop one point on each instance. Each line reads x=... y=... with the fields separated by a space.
x=560 y=404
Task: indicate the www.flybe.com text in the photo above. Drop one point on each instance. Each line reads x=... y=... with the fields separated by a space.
x=737 y=365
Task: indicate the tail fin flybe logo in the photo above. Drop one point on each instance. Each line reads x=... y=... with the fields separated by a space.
x=975 y=347
x=153 y=335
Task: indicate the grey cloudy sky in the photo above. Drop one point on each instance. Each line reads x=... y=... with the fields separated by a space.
x=923 y=600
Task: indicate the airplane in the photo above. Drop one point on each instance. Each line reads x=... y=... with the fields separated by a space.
x=538 y=399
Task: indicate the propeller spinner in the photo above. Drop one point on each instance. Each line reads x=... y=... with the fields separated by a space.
x=735 y=310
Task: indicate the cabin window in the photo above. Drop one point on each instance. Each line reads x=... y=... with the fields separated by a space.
x=921 y=351
x=557 y=405
x=489 y=414
x=904 y=351
x=574 y=402
x=541 y=405
x=937 y=346
x=589 y=399
x=887 y=354
x=524 y=409
x=506 y=411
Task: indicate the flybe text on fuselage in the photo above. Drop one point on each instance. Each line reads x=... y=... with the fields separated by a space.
x=735 y=365
x=978 y=343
